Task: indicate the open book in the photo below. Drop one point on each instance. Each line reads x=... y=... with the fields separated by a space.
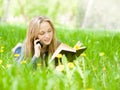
x=70 y=52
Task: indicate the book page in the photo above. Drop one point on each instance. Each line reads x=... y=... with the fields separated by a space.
x=69 y=52
x=63 y=49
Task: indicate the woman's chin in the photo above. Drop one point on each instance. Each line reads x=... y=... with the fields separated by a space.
x=47 y=43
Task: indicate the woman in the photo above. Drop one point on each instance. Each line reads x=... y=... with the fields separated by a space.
x=40 y=41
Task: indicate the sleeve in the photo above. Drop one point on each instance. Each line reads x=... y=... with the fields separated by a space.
x=22 y=54
x=18 y=52
x=34 y=62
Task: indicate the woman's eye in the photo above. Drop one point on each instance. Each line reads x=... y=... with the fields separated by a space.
x=42 y=33
x=49 y=30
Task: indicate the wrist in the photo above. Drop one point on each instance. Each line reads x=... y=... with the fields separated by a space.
x=34 y=59
x=35 y=55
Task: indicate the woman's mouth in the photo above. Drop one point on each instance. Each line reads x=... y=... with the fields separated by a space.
x=47 y=40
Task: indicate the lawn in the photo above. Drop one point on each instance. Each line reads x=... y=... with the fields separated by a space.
x=98 y=68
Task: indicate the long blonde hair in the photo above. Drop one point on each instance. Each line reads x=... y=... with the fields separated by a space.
x=33 y=29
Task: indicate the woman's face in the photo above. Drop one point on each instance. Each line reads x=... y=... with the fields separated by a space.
x=46 y=33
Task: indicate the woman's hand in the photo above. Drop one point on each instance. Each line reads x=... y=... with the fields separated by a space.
x=37 y=48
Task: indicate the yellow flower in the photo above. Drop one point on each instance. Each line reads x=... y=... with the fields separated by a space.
x=2 y=47
x=59 y=56
x=1 y=51
x=23 y=62
x=89 y=89
x=60 y=68
x=8 y=65
x=16 y=55
x=104 y=68
x=39 y=64
x=70 y=65
x=101 y=54
x=0 y=62
x=83 y=54
x=76 y=47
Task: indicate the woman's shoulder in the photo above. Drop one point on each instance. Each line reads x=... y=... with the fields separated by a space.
x=17 y=48
x=18 y=51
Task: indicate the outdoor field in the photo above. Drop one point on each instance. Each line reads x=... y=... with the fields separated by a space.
x=96 y=69
x=95 y=23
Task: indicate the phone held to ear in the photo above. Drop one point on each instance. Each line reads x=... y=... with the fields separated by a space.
x=38 y=42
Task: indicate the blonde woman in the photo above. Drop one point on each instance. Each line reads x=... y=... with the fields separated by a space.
x=40 y=41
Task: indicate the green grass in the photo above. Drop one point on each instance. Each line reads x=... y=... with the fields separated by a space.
x=90 y=72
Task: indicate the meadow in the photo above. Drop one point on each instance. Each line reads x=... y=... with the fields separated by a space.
x=98 y=68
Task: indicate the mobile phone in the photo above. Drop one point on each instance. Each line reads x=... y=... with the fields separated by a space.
x=38 y=42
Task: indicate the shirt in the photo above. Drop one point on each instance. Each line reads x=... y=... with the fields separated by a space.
x=21 y=51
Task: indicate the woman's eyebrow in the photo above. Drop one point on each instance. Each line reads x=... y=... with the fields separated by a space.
x=50 y=28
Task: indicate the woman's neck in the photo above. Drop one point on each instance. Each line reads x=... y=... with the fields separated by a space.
x=44 y=49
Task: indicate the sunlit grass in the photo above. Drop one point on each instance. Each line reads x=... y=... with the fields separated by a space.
x=96 y=69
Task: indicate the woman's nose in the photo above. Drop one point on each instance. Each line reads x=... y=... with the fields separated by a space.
x=47 y=35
